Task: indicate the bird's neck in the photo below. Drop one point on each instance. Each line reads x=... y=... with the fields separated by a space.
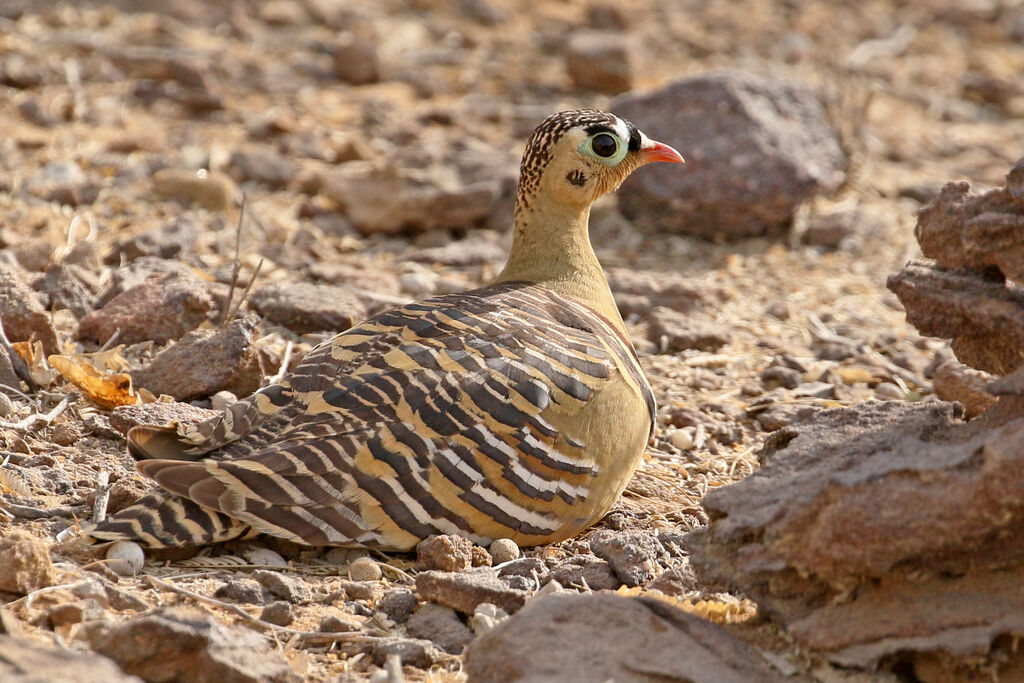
x=551 y=247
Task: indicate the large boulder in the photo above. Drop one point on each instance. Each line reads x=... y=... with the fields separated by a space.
x=177 y=644
x=603 y=637
x=22 y=661
x=755 y=149
x=436 y=182
x=878 y=530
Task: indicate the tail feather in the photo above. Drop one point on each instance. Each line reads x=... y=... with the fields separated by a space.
x=159 y=521
x=146 y=442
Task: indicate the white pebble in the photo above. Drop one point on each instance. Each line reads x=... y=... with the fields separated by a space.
x=504 y=550
x=223 y=400
x=681 y=439
x=485 y=617
x=126 y=558
x=364 y=569
x=550 y=588
x=418 y=283
x=265 y=557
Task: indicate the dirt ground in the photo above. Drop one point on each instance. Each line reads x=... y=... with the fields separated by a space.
x=96 y=98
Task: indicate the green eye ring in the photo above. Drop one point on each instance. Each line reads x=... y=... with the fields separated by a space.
x=605 y=147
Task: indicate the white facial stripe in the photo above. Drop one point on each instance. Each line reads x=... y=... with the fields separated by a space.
x=621 y=130
x=646 y=142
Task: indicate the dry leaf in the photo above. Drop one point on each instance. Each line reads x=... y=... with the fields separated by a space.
x=12 y=483
x=32 y=354
x=713 y=610
x=110 y=360
x=108 y=390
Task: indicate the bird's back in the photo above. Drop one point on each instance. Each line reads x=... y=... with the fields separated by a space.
x=506 y=411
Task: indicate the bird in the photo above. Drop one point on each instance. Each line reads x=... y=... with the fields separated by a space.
x=516 y=410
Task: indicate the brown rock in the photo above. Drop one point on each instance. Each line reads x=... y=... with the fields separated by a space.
x=464 y=590
x=166 y=241
x=398 y=604
x=187 y=645
x=878 y=502
x=728 y=122
x=279 y=613
x=468 y=252
x=355 y=59
x=205 y=362
x=123 y=418
x=963 y=230
x=25 y=563
x=24 y=318
x=289 y=588
x=600 y=637
x=213 y=191
x=441 y=626
x=160 y=309
x=411 y=652
x=435 y=183
x=600 y=60
x=304 y=307
x=593 y=571
x=243 y=590
x=672 y=332
x=636 y=557
x=138 y=271
x=263 y=164
x=447 y=553
x=1011 y=385
x=679 y=580
x=984 y=317
x=333 y=623
x=27 y=662
x=74 y=612
x=953 y=381
x=67 y=287
x=639 y=292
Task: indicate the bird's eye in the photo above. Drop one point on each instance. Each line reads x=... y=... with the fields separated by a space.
x=604 y=145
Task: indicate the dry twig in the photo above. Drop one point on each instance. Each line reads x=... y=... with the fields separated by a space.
x=99 y=508
x=17 y=362
x=45 y=418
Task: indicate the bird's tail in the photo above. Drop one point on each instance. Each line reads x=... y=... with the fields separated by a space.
x=165 y=521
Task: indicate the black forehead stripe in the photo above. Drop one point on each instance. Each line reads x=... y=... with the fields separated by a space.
x=598 y=128
x=634 y=136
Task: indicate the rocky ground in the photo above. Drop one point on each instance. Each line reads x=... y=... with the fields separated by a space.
x=376 y=146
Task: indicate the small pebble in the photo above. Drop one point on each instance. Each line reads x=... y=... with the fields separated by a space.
x=265 y=557
x=549 y=588
x=681 y=439
x=485 y=617
x=364 y=569
x=223 y=400
x=213 y=191
x=335 y=624
x=279 y=613
x=504 y=550
x=6 y=405
x=126 y=558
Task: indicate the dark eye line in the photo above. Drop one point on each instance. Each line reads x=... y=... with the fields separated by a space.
x=599 y=128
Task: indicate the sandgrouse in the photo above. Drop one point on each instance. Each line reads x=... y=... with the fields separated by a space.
x=514 y=410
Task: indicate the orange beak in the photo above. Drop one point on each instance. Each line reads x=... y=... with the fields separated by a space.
x=659 y=151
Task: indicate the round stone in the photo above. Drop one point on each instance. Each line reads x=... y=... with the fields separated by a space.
x=504 y=550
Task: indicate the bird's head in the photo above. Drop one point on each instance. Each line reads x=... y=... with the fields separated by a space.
x=574 y=157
